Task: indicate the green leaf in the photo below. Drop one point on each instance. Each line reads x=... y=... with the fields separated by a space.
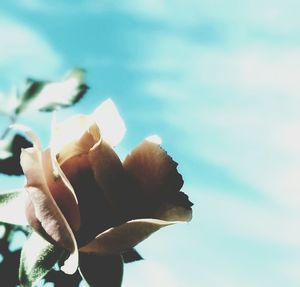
x=32 y=91
x=12 y=207
x=131 y=255
x=38 y=256
x=101 y=270
x=48 y=96
x=10 y=150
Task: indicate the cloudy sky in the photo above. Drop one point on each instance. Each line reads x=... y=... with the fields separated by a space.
x=219 y=81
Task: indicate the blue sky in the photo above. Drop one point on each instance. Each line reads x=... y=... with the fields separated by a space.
x=219 y=81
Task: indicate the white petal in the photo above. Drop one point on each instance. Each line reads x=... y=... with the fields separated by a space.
x=68 y=131
x=57 y=169
x=125 y=236
x=154 y=139
x=30 y=133
x=46 y=210
x=110 y=122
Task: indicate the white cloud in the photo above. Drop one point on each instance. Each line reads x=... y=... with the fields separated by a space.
x=270 y=14
x=260 y=222
x=237 y=107
x=25 y=52
x=148 y=274
x=291 y=270
x=65 y=7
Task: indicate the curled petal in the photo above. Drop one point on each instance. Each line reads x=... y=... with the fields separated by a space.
x=96 y=212
x=55 y=164
x=29 y=132
x=42 y=212
x=80 y=133
x=110 y=122
x=73 y=136
x=110 y=177
x=125 y=236
x=154 y=139
x=156 y=178
x=61 y=190
x=70 y=265
x=179 y=210
x=154 y=170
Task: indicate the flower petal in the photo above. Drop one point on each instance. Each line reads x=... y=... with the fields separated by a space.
x=96 y=212
x=78 y=134
x=101 y=270
x=156 y=177
x=111 y=178
x=154 y=170
x=13 y=201
x=73 y=136
x=61 y=190
x=120 y=238
x=55 y=164
x=38 y=256
x=175 y=208
x=110 y=122
x=29 y=132
x=42 y=212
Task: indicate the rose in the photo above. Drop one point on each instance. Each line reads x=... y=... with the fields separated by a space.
x=82 y=197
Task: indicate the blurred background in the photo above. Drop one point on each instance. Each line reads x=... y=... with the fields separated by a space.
x=219 y=82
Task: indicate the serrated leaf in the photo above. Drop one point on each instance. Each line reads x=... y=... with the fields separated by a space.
x=131 y=255
x=12 y=207
x=10 y=164
x=38 y=256
x=48 y=96
x=101 y=270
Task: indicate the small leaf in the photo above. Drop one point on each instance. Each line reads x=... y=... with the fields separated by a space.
x=48 y=96
x=10 y=164
x=38 y=256
x=12 y=207
x=31 y=92
x=131 y=255
x=101 y=270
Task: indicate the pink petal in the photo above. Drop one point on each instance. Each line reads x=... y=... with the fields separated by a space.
x=154 y=170
x=96 y=212
x=73 y=136
x=61 y=191
x=42 y=210
x=175 y=209
x=125 y=236
x=156 y=177
x=110 y=176
x=110 y=122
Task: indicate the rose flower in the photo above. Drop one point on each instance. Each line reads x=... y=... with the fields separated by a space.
x=82 y=199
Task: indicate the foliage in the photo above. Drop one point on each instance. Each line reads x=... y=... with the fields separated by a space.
x=45 y=96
